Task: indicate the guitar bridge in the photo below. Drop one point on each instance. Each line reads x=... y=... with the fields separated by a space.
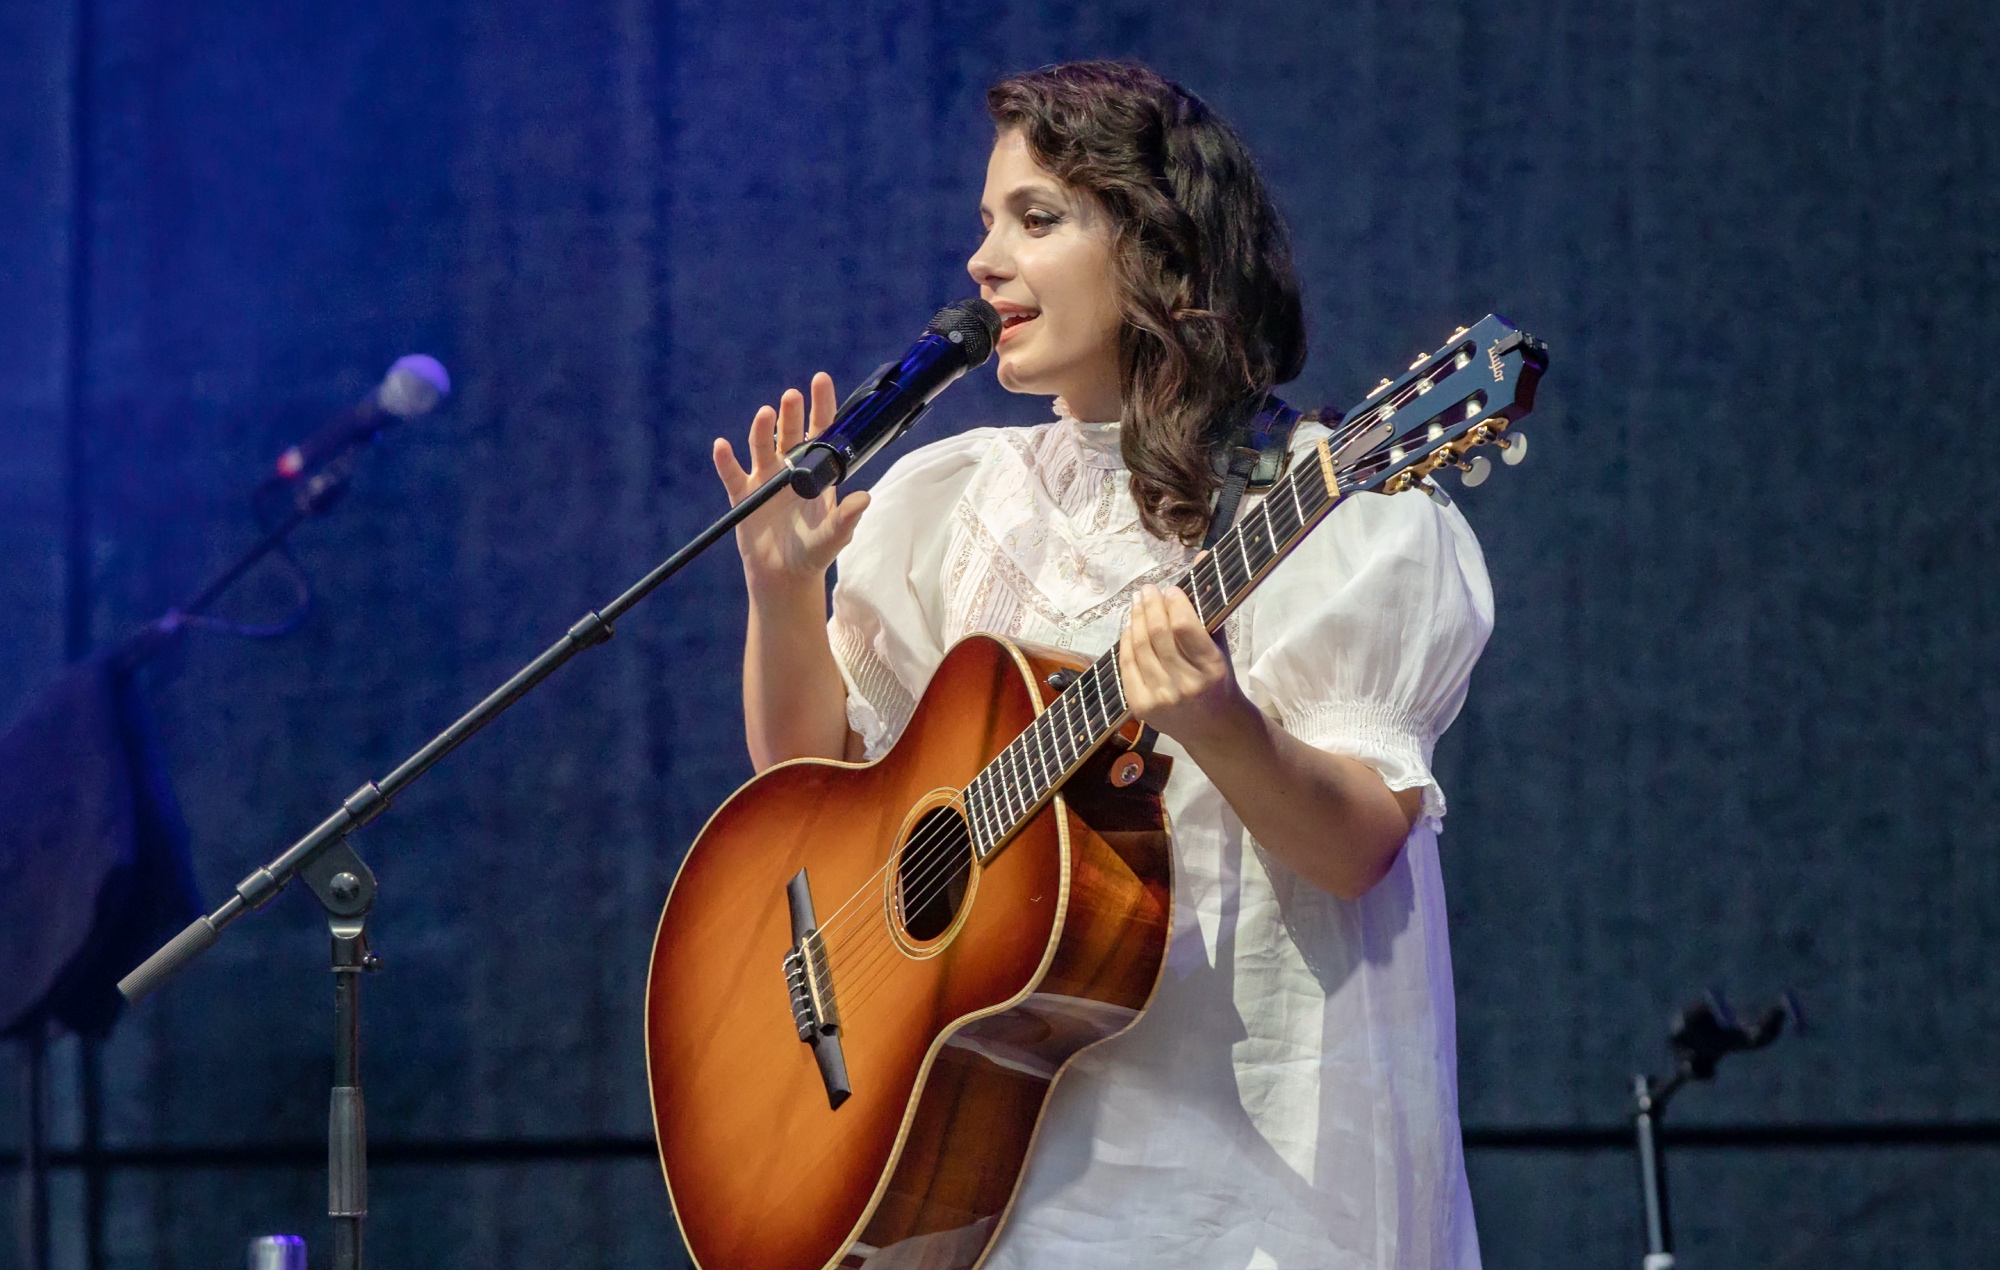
x=809 y=984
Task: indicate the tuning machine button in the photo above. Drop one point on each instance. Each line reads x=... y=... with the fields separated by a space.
x=1513 y=448
x=1477 y=469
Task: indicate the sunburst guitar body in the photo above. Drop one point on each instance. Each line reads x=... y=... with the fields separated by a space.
x=960 y=989
x=868 y=976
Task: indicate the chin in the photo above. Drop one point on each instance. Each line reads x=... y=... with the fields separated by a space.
x=1010 y=377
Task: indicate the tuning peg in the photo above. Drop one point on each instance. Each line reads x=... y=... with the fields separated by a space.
x=1437 y=494
x=1513 y=448
x=1477 y=470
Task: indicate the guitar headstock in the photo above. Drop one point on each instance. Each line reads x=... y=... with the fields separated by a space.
x=1468 y=395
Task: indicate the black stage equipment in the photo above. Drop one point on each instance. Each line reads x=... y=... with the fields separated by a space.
x=1700 y=1036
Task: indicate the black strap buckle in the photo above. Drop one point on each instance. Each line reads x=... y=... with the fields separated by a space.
x=1251 y=460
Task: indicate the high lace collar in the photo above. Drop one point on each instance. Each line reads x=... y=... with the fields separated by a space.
x=1098 y=443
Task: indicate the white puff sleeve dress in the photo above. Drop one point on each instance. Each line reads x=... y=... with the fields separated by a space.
x=1289 y=1101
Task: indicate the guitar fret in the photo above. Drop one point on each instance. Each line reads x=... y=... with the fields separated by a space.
x=1243 y=550
x=973 y=812
x=1010 y=759
x=989 y=819
x=1039 y=771
x=1024 y=774
x=1274 y=508
x=989 y=804
x=1077 y=721
x=1269 y=545
x=1045 y=751
x=1211 y=583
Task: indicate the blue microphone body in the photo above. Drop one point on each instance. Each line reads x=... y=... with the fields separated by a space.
x=885 y=406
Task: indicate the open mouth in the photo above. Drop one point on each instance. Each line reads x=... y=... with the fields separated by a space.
x=1013 y=322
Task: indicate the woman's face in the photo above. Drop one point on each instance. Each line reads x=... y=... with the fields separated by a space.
x=1045 y=264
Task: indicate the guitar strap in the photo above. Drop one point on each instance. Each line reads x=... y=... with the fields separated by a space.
x=1252 y=458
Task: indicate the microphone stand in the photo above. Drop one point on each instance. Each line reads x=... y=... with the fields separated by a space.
x=345 y=886
x=1700 y=1037
x=313 y=497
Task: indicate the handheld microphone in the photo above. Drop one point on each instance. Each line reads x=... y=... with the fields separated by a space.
x=412 y=388
x=960 y=337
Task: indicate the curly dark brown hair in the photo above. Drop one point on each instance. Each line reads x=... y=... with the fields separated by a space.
x=1200 y=257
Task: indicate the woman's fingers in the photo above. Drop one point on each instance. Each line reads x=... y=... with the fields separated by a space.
x=1160 y=636
x=846 y=516
x=734 y=478
x=1190 y=636
x=763 y=445
x=1180 y=647
x=791 y=420
x=1143 y=655
x=822 y=404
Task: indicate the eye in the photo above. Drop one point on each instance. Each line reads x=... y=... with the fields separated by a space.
x=1039 y=222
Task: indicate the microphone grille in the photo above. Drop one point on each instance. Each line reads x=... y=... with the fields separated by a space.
x=972 y=324
x=413 y=386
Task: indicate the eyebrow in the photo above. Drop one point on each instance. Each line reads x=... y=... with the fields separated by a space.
x=1032 y=192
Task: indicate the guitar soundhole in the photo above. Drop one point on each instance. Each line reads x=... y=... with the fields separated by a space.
x=932 y=873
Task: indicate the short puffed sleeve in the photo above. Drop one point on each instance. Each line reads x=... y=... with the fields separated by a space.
x=888 y=594
x=1362 y=642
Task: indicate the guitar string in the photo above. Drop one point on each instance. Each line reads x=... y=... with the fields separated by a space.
x=948 y=855
x=928 y=878
x=931 y=876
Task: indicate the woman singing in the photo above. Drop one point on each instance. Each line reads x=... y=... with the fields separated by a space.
x=1289 y=1099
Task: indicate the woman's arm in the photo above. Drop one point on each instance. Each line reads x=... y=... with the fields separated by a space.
x=794 y=703
x=1329 y=817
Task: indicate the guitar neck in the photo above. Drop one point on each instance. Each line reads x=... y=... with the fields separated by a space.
x=1017 y=783
x=1461 y=410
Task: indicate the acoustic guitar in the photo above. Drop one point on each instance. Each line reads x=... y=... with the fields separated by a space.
x=868 y=976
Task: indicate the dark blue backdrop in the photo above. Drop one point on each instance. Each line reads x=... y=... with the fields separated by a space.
x=1736 y=724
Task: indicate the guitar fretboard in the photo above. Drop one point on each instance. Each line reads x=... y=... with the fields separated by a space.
x=1436 y=412
x=1015 y=785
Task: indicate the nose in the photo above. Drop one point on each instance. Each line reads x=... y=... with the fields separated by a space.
x=988 y=265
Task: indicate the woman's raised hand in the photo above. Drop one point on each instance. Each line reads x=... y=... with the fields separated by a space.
x=790 y=540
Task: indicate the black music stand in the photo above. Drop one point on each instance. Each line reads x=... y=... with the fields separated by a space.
x=1699 y=1036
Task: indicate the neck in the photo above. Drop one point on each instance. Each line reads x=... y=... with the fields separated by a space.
x=1095 y=406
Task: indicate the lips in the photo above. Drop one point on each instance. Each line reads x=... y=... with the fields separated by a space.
x=1013 y=322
